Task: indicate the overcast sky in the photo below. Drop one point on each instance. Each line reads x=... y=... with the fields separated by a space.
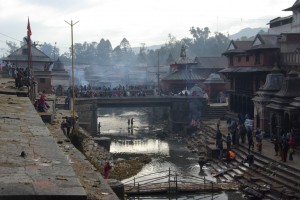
x=140 y=21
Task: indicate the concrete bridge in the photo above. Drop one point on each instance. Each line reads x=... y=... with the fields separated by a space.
x=181 y=108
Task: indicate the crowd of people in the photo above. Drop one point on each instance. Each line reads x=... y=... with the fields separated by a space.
x=241 y=131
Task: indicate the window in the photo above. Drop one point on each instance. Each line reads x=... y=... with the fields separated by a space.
x=257 y=58
x=239 y=59
x=247 y=58
x=42 y=80
x=231 y=60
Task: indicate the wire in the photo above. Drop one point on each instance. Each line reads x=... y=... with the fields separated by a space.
x=10 y=37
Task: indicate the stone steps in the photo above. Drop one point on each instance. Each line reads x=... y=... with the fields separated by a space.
x=282 y=178
x=215 y=112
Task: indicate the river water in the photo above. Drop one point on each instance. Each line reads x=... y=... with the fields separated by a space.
x=142 y=138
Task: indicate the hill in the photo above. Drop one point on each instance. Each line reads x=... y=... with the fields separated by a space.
x=248 y=32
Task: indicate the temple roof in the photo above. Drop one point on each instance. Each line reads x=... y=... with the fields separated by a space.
x=183 y=75
x=238 y=47
x=247 y=69
x=265 y=41
x=212 y=62
x=21 y=55
x=295 y=6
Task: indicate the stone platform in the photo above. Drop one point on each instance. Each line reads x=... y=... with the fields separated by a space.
x=31 y=164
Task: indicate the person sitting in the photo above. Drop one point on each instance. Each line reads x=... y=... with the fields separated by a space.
x=43 y=106
x=230 y=156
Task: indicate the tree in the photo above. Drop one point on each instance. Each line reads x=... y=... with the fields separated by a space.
x=50 y=50
x=12 y=46
x=141 y=57
x=104 y=52
x=127 y=55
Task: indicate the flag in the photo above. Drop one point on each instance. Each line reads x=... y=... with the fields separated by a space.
x=28 y=28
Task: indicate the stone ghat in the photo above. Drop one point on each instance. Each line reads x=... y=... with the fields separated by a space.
x=31 y=163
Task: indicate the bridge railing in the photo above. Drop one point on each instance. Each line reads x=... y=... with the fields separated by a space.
x=163 y=181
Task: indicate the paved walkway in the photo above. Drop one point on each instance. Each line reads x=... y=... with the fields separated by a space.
x=267 y=148
x=42 y=169
x=31 y=164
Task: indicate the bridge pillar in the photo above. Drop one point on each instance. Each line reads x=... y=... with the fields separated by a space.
x=87 y=113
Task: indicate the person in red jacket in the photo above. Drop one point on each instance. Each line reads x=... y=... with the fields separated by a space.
x=107 y=168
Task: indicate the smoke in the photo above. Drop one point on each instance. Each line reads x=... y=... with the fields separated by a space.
x=114 y=76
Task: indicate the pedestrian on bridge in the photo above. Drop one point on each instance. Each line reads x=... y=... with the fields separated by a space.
x=99 y=127
x=131 y=122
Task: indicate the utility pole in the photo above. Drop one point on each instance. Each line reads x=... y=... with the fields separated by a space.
x=54 y=51
x=72 y=47
x=158 y=85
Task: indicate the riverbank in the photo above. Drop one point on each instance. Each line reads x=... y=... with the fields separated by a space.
x=87 y=160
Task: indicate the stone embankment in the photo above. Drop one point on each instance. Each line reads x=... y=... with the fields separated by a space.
x=89 y=160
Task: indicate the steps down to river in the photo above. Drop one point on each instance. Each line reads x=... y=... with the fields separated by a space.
x=270 y=178
x=215 y=111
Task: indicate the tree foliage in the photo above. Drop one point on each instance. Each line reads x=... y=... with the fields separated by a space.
x=201 y=43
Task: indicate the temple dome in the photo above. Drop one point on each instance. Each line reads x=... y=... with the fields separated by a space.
x=214 y=78
x=58 y=66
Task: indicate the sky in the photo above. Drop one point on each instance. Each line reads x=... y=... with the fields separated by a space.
x=139 y=21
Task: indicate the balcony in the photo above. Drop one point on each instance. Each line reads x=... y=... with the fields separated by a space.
x=290 y=59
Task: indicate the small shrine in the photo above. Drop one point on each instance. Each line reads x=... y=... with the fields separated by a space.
x=263 y=97
x=284 y=116
x=215 y=87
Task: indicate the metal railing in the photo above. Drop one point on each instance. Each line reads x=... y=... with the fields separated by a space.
x=166 y=181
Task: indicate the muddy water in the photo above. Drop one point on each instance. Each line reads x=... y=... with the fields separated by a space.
x=144 y=137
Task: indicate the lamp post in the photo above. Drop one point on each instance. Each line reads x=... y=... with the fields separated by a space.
x=72 y=49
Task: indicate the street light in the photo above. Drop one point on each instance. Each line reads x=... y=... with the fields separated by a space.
x=72 y=47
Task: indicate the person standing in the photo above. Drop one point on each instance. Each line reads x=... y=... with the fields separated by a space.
x=250 y=141
x=131 y=122
x=228 y=141
x=258 y=140
x=107 y=168
x=285 y=148
x=276 y=145
x=99 y=127
x=292 y=143
x=218 y=137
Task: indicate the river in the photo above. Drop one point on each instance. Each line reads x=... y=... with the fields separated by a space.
x=142 y=138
